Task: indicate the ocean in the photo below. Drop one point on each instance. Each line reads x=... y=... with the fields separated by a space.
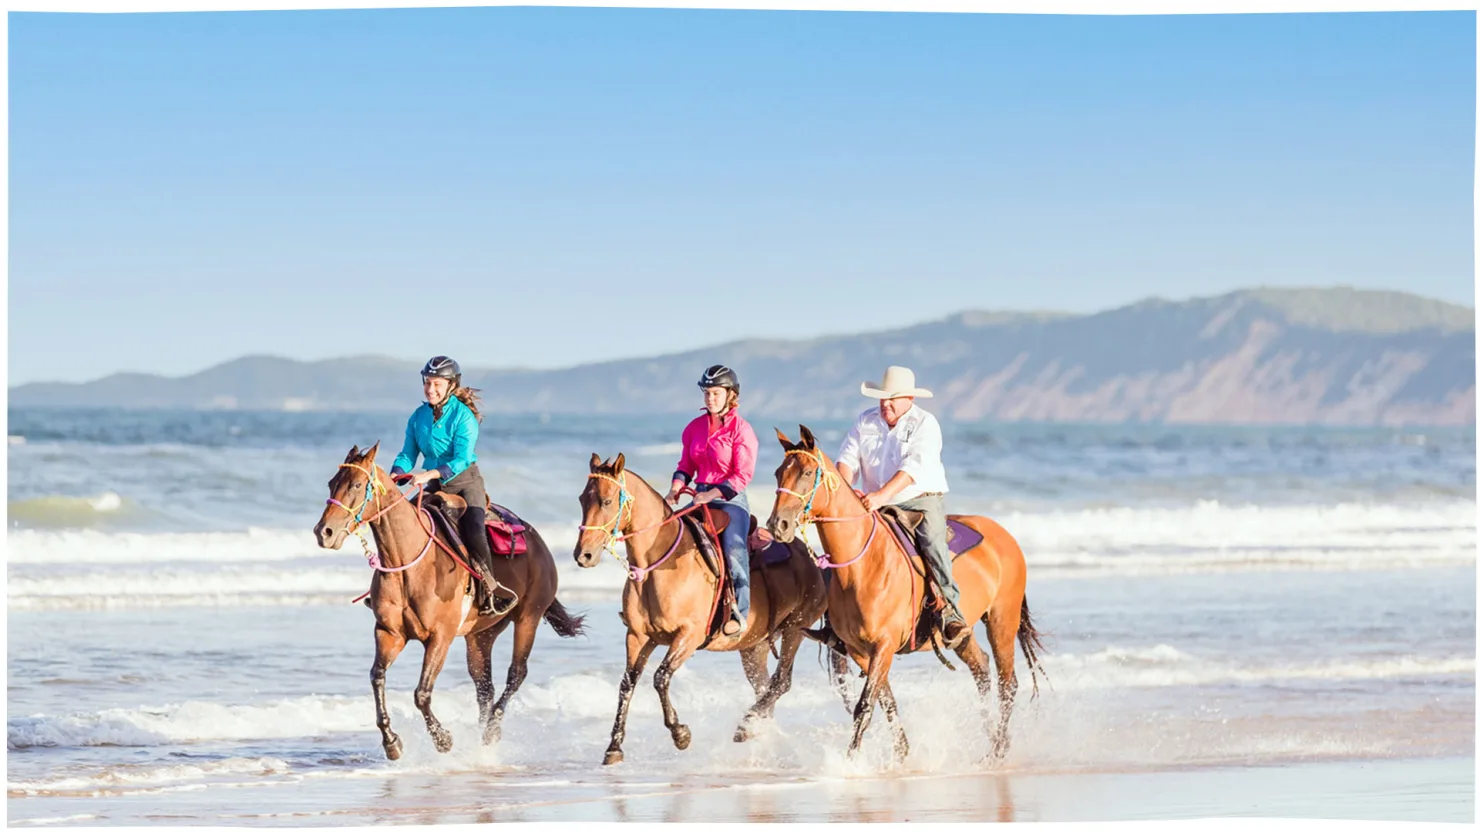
x=1238 y=620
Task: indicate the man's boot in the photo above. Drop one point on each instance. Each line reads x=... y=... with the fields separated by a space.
x=953 y=628
x=827 y=636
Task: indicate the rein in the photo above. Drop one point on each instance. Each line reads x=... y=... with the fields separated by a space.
x=373 y=491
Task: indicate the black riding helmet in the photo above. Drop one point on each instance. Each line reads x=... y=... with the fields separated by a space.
x=443 y=367
x=719 y=376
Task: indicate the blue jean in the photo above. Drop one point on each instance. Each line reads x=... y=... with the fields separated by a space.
x=736 y=544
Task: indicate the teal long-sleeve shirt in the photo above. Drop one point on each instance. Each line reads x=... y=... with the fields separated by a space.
x=446 y=443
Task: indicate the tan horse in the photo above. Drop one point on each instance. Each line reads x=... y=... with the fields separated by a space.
x=420 y=591
x=874 y=595
x=670 y=596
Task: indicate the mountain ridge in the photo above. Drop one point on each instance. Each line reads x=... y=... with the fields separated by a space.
x=1265 y=355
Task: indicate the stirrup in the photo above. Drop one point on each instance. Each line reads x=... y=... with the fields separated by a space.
x=511 y=601
x=738 y=624
x=953 y=644
x=492 y=598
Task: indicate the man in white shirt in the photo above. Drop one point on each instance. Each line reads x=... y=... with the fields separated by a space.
x=895 y=451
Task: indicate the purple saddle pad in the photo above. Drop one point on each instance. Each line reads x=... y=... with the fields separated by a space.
x=959 y=537
x=775 y=553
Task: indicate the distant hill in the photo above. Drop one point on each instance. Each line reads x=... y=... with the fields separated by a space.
x=1259 y=356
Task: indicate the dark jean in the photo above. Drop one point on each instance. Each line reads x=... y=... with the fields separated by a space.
x=930 y=538
x=468 y=485
x=735 y=541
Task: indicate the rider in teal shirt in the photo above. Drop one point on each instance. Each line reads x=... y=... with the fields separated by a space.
x=443 y=432
x=446 y=443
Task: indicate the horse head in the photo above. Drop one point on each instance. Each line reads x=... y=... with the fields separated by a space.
x=355 y=495
x=606 y=508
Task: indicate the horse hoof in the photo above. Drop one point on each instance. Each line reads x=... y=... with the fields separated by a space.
x=393 y=750
x=742 y=734
x=613 y=756
x=492 y=735
x=681 y=737
x=443 y=742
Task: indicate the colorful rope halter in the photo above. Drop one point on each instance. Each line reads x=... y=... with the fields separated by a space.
x=373 y=490
x=826 y=477
x=635 y=572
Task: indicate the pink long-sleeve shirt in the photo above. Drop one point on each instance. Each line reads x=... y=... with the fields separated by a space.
x=724 y=459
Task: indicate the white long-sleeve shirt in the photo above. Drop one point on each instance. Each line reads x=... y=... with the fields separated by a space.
x=877 y=452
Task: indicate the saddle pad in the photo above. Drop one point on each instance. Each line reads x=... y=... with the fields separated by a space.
x=959 y=537
x=506 y=531
x=774 y=553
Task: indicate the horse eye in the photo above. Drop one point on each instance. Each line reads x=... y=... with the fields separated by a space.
x=606 y=502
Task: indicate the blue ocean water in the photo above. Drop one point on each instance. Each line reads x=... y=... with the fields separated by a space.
x=1215 y=596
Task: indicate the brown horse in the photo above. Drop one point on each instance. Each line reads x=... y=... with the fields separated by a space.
x=874 y=596
x=670 y=596
x=420 y=591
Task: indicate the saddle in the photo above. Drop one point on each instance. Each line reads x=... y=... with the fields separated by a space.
x=507 y=532
x=960 y=538
x=706 y=524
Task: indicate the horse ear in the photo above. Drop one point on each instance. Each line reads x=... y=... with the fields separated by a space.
x=353 y=453
x=595 y=461
x=808 y=440
x=370 y=452
x=785 y=442
x=620 y=464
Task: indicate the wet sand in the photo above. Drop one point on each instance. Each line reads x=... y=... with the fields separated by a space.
x=1439 y=789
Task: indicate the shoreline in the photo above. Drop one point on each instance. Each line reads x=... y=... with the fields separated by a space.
x=1438 y=789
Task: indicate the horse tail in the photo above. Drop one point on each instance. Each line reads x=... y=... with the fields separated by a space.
x=1031 y=640
x=564 y=622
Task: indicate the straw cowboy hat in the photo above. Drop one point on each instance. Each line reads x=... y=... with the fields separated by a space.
x=898 y=381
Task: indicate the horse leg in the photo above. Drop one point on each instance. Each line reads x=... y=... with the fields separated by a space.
x=753 y=660
x=480 y=666
x=877 y=668
x=838 y=676
x=431 y=666
x=638 y=650
x=976 y=660
x=896 y=726
x=387 y=647
x=524 y=632
x=1001 y=631
x=678 y=654
x=765 y=705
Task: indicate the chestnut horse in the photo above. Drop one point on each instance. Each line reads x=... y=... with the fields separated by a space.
x=670 y=596
x=874 y=596
x=420 y=590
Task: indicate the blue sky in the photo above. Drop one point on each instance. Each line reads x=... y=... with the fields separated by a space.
x=544 y=187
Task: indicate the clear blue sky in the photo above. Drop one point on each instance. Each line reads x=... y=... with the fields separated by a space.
x=544 y=187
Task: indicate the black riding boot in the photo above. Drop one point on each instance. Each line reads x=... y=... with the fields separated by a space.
x=497 y=599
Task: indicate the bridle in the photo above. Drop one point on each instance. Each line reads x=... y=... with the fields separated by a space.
x=612 y=529
x=825 y=477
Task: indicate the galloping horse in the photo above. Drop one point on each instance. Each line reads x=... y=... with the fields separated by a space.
x=671 y=594
x=874 y=597
x=421 y=590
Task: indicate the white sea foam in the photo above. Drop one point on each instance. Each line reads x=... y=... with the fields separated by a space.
x=592 y=694
x=90 y=569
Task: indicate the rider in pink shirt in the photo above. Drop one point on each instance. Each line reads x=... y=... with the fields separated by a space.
x=719 y=450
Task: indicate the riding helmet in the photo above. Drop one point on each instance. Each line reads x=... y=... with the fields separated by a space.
x=443 y=367
x=719 y=376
